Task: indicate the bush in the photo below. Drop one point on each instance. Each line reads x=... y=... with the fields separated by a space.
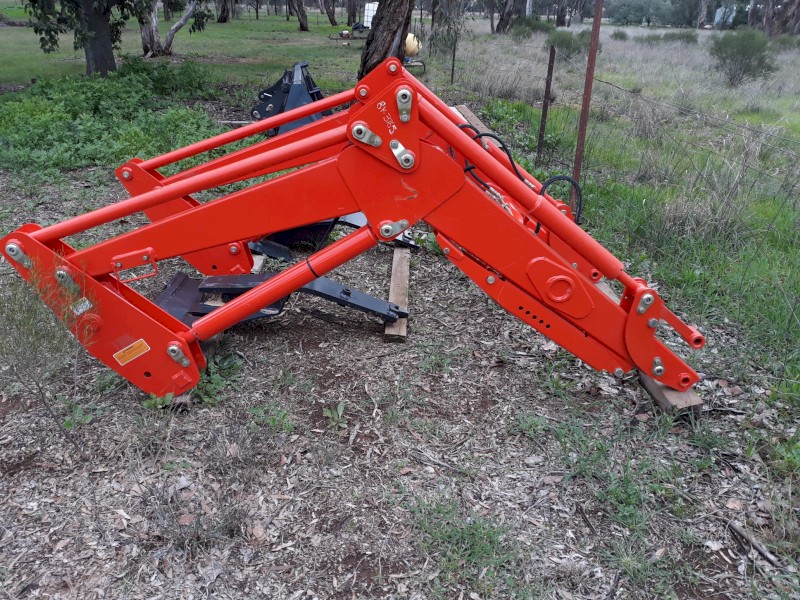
x=742 y=55
x=520 y=33
x=569 y=44
x=74 y=122
x=785 y=43
x=684 y=37
x=619 y=34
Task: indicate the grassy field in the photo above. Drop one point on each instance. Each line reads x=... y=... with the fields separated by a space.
x=477 y=460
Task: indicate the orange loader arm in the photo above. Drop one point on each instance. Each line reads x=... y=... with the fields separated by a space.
x=397 y=154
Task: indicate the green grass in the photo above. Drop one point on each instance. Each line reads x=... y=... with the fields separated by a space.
x=244 y=51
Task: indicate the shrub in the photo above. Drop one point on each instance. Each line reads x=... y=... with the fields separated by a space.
x=569 y=44
x=742 y=55
x=785 y=43
x=520 y=33
x=684 y=37
x=619 y=34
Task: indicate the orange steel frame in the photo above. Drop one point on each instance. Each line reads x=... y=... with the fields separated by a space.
x=398 y=155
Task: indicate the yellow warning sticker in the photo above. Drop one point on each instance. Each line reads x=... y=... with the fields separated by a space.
x=132 y=352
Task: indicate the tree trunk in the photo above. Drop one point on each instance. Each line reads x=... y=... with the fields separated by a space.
x=491 y=15
x=434 y=13
x=300 y=11
x=387 y=36
x=330 y=10
x=352 y=12
x=188 y=14
x=701 y=18
x=224 y=12
x=769 y=10
x=98 y=47
x=788 y=20
x=561 y=15
x=148 y=28
x=505 y=17
x=167 y=12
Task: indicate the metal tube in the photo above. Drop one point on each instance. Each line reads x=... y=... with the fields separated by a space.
x=283 y=284
x=541 y=209
x=185 y=187
x=248 y=130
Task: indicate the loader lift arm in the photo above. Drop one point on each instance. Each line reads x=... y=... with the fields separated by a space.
x=397 y=154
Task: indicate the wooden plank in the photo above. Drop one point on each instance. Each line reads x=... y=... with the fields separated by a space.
x=398 y=293
x=669 y=400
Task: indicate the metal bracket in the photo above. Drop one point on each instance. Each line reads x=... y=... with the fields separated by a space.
x=14 y=251
x=364 y=135
x=391 y=229
x=404 y=104
x=176 y=354
x=645 y=302
x=404 y=157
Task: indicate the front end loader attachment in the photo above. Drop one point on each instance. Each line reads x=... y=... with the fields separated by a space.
x=395 y=153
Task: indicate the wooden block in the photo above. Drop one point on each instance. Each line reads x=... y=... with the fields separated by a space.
x=671 y=401
x=471 y=118
x=398 y=293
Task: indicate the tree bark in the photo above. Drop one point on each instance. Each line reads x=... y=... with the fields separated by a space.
x=561 y=14
x=330 y=10
x=188 y=14
x=167 y=12
x=98 y=47
x=300 y=11
x=491 y=15
x=701 y=17
x=224 y=12
x=387 y=36
x=769 y=10
x=505 y=17
x=352 y=12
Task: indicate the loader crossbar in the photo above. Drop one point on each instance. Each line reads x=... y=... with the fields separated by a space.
x=395 y=153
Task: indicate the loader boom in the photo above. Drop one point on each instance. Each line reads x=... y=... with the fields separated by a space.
x=397 y=154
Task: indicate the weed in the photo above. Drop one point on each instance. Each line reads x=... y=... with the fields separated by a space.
x=435 y=361
x=336 y=418
x=742 y=55
x=222 y=373
x=619 y=35
x=586 y=454
x=154 y=402
x=465 y=547
x=79 y=415
x=706 y=439
x=533 y=426
x=271 y=417
x=570 y=44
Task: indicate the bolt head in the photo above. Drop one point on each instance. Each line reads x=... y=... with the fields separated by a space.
x=362 y=92
x=618 y=372
x=446 y=251
x=393 y=144
x=490 y=280
x=393 y=68
x=658 y=371
x=652 y=323
x=234 y=249
x=386 y=230
x=118 y=265
x=405 y=118
x=145 y=258
x=126 y=174
x=404 y=224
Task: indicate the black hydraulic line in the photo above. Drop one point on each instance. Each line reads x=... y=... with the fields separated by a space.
x=578 y=194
